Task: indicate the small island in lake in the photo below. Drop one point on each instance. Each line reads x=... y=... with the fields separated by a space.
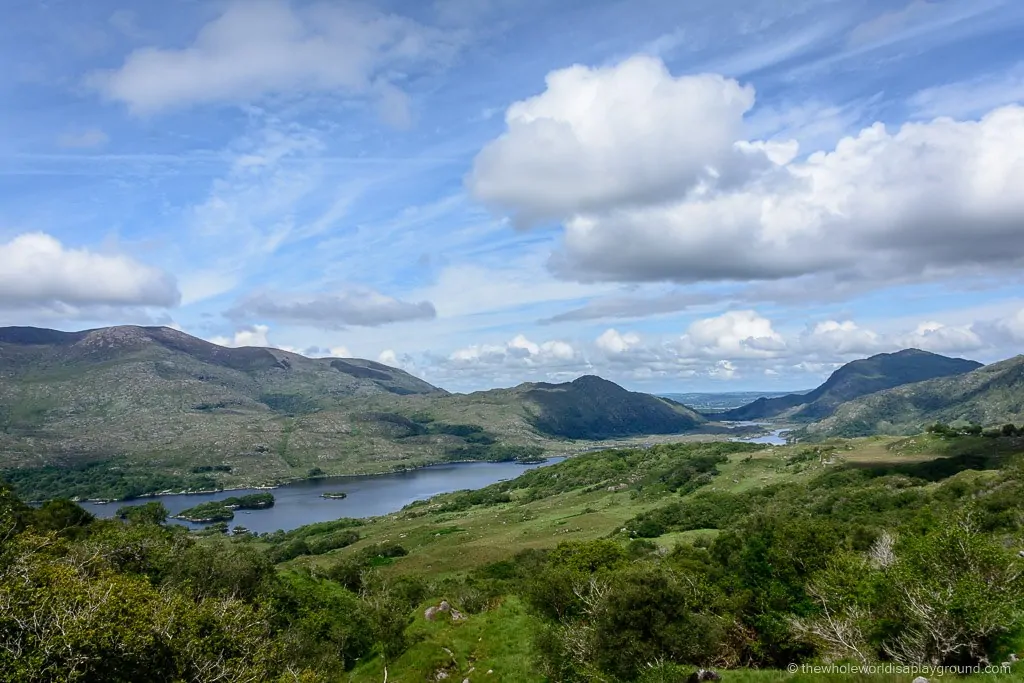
x=224 y=510
x=334 y=495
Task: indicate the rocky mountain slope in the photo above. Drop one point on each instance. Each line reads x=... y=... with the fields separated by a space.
x=851 y=381
x=991 y=395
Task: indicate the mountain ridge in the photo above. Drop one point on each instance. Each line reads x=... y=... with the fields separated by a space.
x=164 y=405
x=990 y=395
x=854 y=379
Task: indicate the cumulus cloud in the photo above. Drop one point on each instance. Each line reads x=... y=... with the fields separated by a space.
x=732 y=335
x=723 y=369
x=845 y=338
x=402 y=361
x=740 y=346
x=40 y=271
x=256 y=335
x=926 y=200
x=327 y=352
x=260 y=47
x=359 y=306
x=1009 y=330
x=602 y=138
x=614 y=342
x=939 y=338
x=518 y=351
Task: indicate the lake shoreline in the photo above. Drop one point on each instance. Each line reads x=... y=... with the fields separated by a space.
x=271 y=487
x=301 y=503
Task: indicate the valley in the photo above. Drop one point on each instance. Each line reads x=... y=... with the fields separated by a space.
x=545 y=532
x=521 y=562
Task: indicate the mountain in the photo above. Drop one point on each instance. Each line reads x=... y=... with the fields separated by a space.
x=193 y=365
x=991 y=395
x=591 y=408
x=128 y=410
x=851 y=381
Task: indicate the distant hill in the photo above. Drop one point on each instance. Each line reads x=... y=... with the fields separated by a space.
x=594 y=408
x=249 y=374
x=851 y=381
x=139 y=409
x=708 y=402
x=991 y=395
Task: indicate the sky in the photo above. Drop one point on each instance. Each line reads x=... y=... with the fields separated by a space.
x=678 y=196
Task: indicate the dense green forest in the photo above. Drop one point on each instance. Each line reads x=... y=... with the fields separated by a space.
x=224 y=510
x=736 y=557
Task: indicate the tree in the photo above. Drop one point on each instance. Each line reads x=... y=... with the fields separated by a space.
x=61 y=515
x=955 y=594
x=153 y=512
x=650 y=613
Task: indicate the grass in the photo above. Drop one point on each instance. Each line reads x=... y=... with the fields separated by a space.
x=443 y=545
x=496 y=641
x=497 y=645
x=448 y=543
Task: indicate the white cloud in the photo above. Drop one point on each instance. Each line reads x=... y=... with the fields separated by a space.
x=39 y=270
x=260 y=47
x=732 y=335
x=645 y=197
x=612 y=341
x=868 y=210
x=844 y=338
x=971 y=97
x=256 y=335
x=1010 y=328
x=518 y=351
x=607 y=137
x=939 y=338
x=723 y=369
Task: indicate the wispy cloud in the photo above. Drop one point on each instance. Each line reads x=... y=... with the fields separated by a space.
x=969 y=98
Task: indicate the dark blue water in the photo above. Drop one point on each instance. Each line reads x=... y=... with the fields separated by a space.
x=300 y=503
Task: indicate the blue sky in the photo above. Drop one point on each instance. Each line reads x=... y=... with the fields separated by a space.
x=722 y=195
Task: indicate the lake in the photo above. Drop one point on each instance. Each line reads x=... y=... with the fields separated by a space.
x=773 y=438
x=300 y=503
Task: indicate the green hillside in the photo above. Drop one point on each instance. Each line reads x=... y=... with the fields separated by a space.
x=122 y=411
x=627 y=565
x=853 y=380
x=587 y=408
x=991 y=395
